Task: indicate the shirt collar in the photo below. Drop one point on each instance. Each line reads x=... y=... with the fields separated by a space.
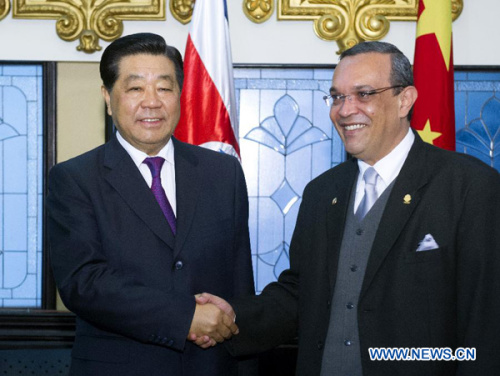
x=389 y=166
x=138 y=156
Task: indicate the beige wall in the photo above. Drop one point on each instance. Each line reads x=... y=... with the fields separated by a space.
x=80 y=109
x=80 y=113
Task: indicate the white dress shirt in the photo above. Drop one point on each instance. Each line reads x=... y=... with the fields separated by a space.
x=167 y=171
x=387 y=168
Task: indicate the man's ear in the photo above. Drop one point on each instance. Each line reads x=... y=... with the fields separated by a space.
x=107 y=99
x=407 y=99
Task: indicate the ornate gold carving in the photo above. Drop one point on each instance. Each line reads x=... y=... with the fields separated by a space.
x=182 y=10
x=4 y=8
x=352 y=21
x=89 y=20
x=258 y=11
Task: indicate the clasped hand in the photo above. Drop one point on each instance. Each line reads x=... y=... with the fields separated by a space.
x=213 y=321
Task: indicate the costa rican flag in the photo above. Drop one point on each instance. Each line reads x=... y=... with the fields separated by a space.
x=208 y=105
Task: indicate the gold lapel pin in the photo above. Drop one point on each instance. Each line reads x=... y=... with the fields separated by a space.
x=407 y=199
x=334 y=201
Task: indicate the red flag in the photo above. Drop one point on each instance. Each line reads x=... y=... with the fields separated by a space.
x=434 y=111
x=208 y=105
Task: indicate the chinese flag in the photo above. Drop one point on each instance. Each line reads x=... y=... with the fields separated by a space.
x=208 y=105
x=434 y=111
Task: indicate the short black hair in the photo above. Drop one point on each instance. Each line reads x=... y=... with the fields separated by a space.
x=401 y=71
x=136 y=44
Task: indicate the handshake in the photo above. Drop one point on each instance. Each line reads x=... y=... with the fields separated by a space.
x=213 y=321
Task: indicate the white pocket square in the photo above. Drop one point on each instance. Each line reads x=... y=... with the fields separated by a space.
x=427 y=243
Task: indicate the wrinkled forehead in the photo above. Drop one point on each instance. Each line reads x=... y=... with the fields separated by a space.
x=369 y=70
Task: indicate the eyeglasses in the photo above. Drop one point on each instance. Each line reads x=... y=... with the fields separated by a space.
x=362 y=96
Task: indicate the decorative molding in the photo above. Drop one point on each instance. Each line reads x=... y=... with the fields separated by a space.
x=351 y=21
x=89 y=20
x=258 y=11
x=182 y=10
x=4 y=8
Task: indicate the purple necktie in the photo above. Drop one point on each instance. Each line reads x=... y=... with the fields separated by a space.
x=154 y=164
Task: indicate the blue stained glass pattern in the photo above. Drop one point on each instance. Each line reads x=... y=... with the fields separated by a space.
x=21 y=70
x=460 y=110
x=7 y=131
x=21 y=183
x=15 y=229
x=475 y=102
x=477 y=116
x=287 y=131
x=286 y=140
x=285 y=197
x=481 y=137
x=485 y=76
x=291 y=73
x=270 y=226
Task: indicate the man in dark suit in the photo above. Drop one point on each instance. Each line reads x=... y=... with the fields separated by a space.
x=128 y=259
x=398 y=247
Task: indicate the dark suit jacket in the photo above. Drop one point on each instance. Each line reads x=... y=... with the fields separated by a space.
x=130 y=282
x=446 y=297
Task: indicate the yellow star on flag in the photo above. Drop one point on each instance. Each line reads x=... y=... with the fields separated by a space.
x=434 y=10
x=427 y=134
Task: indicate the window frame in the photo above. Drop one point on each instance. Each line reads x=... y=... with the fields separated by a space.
x=44 y=327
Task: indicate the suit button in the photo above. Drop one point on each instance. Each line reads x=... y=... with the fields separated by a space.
x=179 y=265
x=347 y=342
x=170 y=342
x=359 y=231
x=350 y=306
x=354 y=268
x=320 y=345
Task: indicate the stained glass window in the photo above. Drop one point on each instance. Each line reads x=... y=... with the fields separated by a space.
x=286 y=140
x=477 y=114
x=21 y=185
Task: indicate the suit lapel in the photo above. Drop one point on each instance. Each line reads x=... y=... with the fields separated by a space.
x=187 y=188
x=337 y=213
x=410 y=181
x=123 y=175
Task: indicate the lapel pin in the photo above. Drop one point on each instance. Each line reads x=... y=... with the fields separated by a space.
x=407 y=199
x=334 y=201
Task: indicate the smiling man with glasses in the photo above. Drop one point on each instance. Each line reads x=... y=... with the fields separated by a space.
x=395 y=248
